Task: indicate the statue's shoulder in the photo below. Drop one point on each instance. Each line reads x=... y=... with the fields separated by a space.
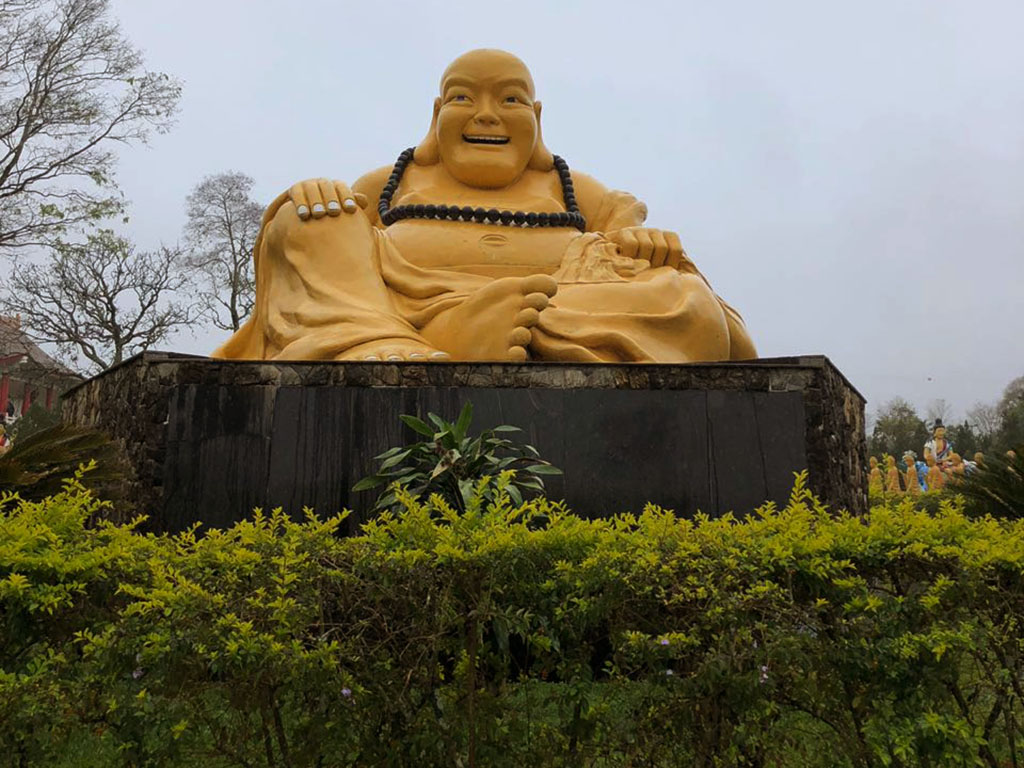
x=604 y=208
x=371 y=184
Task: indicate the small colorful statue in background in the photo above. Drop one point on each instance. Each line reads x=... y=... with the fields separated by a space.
x=939 y=447
x=5 y=440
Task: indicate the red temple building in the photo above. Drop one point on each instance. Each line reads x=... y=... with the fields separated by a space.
x=27 y=374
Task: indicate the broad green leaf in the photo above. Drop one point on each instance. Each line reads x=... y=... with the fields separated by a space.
x=417 y=425
x=463 y=422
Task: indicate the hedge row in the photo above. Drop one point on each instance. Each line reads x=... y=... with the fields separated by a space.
x=512 y=636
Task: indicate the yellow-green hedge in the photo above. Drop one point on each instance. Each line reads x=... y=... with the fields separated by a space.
x=511 y=637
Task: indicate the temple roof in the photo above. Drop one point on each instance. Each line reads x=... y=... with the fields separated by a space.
x=18 y=351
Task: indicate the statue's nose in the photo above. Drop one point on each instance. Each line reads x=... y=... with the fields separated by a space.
x=486 y=115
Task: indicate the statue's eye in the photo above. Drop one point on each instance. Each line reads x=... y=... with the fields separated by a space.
x=511 y=100
x=460 y=97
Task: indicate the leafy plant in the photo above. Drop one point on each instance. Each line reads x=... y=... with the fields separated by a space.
x=37 y=463
x=450 y=463
x=995 y=487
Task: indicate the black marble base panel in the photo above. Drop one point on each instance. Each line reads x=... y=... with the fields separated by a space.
x=209 y=440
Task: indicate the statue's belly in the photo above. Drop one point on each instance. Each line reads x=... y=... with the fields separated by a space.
x=482 y=249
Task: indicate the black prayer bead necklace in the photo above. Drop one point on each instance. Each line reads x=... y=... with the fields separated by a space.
x=571 y=217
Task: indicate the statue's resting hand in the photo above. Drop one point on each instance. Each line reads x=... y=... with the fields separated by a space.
x=660 y=247
x=316 y=198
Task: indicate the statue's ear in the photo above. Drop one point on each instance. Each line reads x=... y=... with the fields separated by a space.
x=428 y=152
x=541 y=160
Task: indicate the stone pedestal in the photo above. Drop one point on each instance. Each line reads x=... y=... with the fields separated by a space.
x=211 y=439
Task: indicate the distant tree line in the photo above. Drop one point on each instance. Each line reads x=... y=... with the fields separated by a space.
x=73 y=89
x=986 y=428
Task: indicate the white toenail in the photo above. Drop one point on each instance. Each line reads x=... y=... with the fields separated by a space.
x=394 y=357
x=333 y=206
x=318 y=208
x=303 y=211
x=439 y=355
x=417 y=356
x=371 y=357
x=349 y=205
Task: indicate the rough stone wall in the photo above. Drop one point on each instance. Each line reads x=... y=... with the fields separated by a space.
x=169 y=410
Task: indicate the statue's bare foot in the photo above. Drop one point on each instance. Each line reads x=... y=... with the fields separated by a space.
x=395 y=351
x=494 y=322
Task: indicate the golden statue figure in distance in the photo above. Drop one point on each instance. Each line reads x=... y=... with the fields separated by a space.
x=910 y=479
x=935 y=479
x=892 y=475
x=874 y=476
x=478 y=245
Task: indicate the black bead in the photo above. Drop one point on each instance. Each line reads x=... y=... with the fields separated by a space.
x=506 y=217
x=382 y=206
x=401 y=212
x=493 y=215
x=430 y=211
x=563 y=219
x=467 y=213
x=570 y=201
x=442 y=211
x=531 y=219
x=479 y=214
x=419 y=209
x=543 y=219
x=519 y=217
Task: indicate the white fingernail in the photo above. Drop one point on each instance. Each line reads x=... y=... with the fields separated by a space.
x=318 y=208
x=333 y=206
x=349 y=205
x=371 y=357
x=303 y=211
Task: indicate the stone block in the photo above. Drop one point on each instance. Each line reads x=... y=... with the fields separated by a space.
x=210 y=440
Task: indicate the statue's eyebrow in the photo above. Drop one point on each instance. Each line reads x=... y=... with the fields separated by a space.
x=465 y=82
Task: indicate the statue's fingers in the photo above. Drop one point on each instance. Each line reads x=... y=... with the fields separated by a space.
x=297 y=193
x=329 y=196
x=645 y=246
x=675 y=250
x=659 y=252
x=313 y=187
x=629 y=246
x=349 y=199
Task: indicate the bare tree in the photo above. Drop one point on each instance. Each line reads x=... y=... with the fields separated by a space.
x=939 y=410
x=223 y=222
x=985 y=419
x=71 y=88
x=100 y=300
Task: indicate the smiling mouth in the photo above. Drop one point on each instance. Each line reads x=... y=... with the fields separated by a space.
x=492 y=140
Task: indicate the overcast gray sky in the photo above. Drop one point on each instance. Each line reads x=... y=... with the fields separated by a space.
x=850 y=176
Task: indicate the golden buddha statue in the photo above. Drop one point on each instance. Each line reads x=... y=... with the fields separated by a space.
x=479 y=244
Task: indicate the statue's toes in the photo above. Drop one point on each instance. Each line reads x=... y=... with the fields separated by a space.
x=517 y=354
x=537 y=301
x=527 y=318
x=540 y=284
x=519 y=337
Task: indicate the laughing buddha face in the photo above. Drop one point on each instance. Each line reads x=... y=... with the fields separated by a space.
x=487 y=124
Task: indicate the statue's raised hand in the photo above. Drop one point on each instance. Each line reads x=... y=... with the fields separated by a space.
x=660 y=247
x=316 y=198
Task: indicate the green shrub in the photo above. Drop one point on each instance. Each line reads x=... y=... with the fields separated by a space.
x=510 y=635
